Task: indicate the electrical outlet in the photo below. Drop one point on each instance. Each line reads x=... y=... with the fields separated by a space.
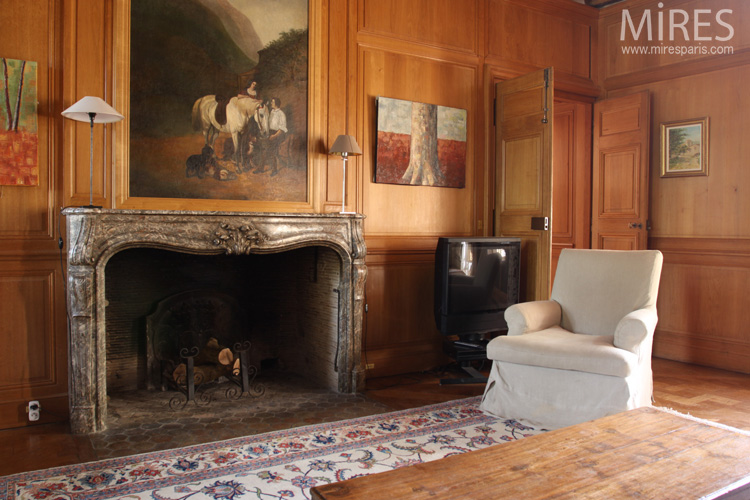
x=34 y=410
x=369 y=366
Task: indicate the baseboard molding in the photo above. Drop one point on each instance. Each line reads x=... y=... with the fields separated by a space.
x=53 y=409
x=401 y=359
x=689 y=347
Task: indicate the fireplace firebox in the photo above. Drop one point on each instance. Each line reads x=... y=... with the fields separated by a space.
x=330 y=347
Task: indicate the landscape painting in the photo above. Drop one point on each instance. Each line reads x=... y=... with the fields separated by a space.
x=218 y=99
x=19 y=140
x=685 y=148
x=420 y=144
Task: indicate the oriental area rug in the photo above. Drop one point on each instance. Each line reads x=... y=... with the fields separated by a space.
x=277 y=465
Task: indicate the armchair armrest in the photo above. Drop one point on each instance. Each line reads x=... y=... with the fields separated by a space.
x=528 y=317
x=635 y=328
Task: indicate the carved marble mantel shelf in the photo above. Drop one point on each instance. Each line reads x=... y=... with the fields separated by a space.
x=95 y=235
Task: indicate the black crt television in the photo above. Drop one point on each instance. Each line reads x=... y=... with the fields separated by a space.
x=476 y=280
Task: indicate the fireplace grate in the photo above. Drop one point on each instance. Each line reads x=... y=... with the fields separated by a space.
x=196 y=339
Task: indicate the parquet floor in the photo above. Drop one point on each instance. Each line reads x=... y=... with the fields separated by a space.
x=703 y=392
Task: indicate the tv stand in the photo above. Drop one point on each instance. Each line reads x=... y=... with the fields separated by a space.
x=467 y=348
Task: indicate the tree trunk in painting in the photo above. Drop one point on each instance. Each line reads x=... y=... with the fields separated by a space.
x=18 y=98
x=7 y=95
x=423 y=161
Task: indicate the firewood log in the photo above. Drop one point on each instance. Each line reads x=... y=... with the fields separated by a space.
x=201 y=373
x=214 y=353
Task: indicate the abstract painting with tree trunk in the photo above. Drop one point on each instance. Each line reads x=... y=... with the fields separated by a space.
x=420 y=144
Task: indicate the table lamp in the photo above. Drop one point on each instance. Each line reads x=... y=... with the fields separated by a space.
x=93 y=110
x=345 y=145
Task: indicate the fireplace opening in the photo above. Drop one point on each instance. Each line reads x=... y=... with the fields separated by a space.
x=303 y=283
x=285 y=304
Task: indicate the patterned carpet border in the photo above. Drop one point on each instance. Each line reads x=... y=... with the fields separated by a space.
x=280 y=464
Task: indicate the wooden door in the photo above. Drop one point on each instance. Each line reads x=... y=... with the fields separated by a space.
x=523 y=163
x=571 y=177
x=620 y=173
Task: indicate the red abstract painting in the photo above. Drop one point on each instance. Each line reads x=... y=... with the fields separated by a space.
x=19 y=141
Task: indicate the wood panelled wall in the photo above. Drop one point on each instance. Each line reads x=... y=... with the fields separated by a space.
x=33 y=338
x=701 y=224
x=446 y=52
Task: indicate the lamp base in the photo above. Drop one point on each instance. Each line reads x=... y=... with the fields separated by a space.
x=91 y=206
x=347 y=213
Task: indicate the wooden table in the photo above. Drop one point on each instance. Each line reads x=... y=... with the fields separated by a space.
x=643 y=453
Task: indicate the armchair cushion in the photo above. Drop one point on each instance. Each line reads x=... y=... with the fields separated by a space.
x=560 y=349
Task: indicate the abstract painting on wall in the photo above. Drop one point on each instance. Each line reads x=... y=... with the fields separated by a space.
x=218 y=99
x=420 y=144
x=19 y=141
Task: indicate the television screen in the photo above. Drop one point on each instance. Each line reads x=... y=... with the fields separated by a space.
x=476 y=279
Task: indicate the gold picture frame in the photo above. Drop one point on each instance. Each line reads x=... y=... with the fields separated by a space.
x=684 y=148
x=317 y=159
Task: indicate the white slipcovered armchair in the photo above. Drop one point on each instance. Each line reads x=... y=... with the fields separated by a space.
x=584 y=354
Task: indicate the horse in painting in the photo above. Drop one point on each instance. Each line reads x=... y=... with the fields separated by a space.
x=239 y=112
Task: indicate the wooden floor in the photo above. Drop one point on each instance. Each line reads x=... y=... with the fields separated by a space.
x=706 y=393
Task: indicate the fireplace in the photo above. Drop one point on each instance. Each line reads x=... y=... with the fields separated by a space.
x=322 y=255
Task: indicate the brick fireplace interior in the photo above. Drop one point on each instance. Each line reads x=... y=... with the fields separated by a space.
x=290 y=301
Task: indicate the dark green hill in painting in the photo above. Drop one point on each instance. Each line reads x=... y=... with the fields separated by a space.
x=179 y=51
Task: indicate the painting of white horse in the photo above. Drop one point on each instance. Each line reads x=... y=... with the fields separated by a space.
x=198 y=123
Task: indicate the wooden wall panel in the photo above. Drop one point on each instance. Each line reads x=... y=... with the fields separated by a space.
x=34 y=343
x=403 y=220
x=424 y=21
x=29 y=33
x=339 y=88
x=703 y=313
x=542 y=34
x=28 y=329
x=400 y=331
x=89 y=72
x=415 y=210
x=424 y=51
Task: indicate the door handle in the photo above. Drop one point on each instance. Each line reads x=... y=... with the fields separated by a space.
x=635 y=225
x=540 y=223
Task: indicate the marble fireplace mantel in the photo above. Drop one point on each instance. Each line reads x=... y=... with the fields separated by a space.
x=94 y=235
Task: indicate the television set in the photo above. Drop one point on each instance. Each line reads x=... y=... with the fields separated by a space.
x=476 y=280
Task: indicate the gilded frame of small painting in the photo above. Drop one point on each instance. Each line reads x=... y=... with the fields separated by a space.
x=684 y=148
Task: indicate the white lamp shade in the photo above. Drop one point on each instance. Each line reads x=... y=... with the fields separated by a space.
x=103 y=112
x=345 y=144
